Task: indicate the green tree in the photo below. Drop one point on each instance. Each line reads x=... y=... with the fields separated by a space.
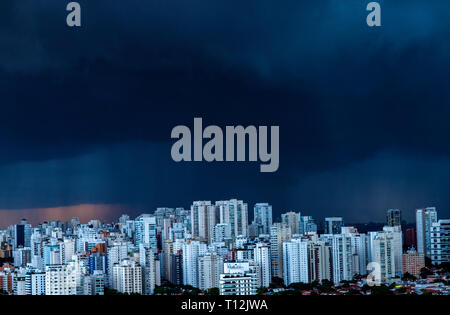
x=326 y=286
x=261 y=290
x=425 y=272
x=213 y=291
x=276 y=283
x=401 y=290
x=408 y=277
x=353 y=292
x=112 y=292
x=381 y=290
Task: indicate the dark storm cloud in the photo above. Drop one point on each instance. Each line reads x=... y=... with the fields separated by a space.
x=340 y=91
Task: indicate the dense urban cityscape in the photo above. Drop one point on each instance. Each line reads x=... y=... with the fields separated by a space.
x=212 y=249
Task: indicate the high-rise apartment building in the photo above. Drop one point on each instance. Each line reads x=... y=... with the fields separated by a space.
x=342 y=256
x=292 y=220
x=145 y=230
x=222 y=232
x=424 y=220
x=210 y=268
x=412 y=263
x=117 y=252
x=295 y=261
x=397 y=246
x=320 y=263
x=440 y=242
x=262 y=259
x=263 y=217
x=394 y=217
x=333 y=225
x=235 y=213
x=279 y=233
x=239 y=278
x=307 y=225
x=128 y=277
x=192 y=250
x=147 y=262
x=176 y=268
x=203 y=219
x=383 y=248
x=359 y=249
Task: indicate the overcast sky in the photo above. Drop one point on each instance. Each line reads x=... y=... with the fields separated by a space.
x=86 y=114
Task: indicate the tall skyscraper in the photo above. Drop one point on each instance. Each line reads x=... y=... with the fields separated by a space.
x=333 y=225
x=306 y=225
x=222 y=232
x=147 y=262
x=19 y=236
x=203 y=220
x=359 y=249
x=239 y=278
x=413 y=262
x=320 y=261
x=279 y=233
x=397 y=246
x=262 y=259
x=383 y=250
x=191 y=252
x=424 y=220
x=292 y=220
x=440 y=242
x=117 y=252
x=410 y=239
x=295 y=261
x=263 y=217
x=342 y=252
x=97 y=262
x=176 y=268
x=235 y=213
x=37 y=260
x=67 y=248
x=210 y=268
x=394 y=217
x=128 y=277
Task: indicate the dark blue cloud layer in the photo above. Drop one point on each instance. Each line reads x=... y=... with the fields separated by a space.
x=341 y=92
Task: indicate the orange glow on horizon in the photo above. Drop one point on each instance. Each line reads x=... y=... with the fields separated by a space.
x=86 y=212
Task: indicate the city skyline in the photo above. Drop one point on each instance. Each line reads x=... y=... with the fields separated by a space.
x=212 y=248
x=110 y=213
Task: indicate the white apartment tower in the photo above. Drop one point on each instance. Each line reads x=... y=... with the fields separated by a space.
x=210 y=269
x=295 y=261
x=235 y=213
x=424 y=220
x=342 y=253
x=292 y=220
x=61 y=280
x=279 y=233
x=262 y=259
x=440 y=242
x=397 y=247
x=383 y=254
x=203 y=220
x=239 y=278
x=320 y=261
x=147 y=262
x=128 y=277
x=192 y=250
